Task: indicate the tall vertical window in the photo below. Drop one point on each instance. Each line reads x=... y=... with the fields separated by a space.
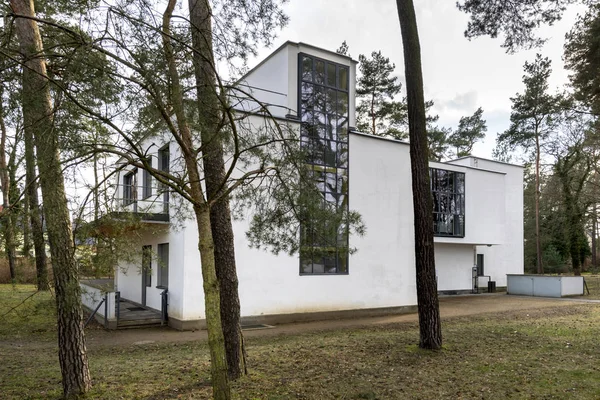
x=147 y=265
x=164 y=161
x=147 y=179
x=163 y=266
x=323 y=109
x=448 y=192
x=129 y=189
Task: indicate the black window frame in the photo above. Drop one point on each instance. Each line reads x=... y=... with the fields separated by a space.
x=338 y=141
x=454 y=197
x=165 y=167
x=147 y=183
x=162 y=266
x=480 y=265
x=129 y=187
x=147 y=264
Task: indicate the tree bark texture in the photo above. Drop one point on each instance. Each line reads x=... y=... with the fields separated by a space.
x=212 y=298
x=538 y=238
x=35 y=214
x=429 y=314
x=594 y=237
x=7 y=213
x=37 y=114
x=214 y=176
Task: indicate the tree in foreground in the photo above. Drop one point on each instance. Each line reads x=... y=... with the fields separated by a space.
x=430 y=327
x=516 y=21
x=37 y=114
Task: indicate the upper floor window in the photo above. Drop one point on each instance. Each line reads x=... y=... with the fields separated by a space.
x=323 y=110
x=129 y=188
x=448 y=193
x=147 y=190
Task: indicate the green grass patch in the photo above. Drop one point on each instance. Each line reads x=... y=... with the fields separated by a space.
x=550 y=353
x=26 y=314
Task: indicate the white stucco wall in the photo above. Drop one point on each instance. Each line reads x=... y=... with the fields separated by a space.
x=507 y=257
x=381 y=272
x=454 y=266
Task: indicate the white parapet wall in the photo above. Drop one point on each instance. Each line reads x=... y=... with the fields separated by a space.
x=544 y=285
x=91 y=296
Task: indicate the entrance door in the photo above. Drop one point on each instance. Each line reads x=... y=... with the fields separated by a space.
x=146 y=271
x=480 y=271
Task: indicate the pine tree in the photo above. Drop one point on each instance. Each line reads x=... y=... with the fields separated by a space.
x=430 y=326
x=378 y=112
x=470 y=130
x=533 y=118
x=38 y=114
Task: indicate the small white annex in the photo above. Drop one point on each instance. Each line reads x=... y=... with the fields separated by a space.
x=478 y=216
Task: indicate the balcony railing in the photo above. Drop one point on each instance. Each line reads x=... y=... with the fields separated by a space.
x=150 y=204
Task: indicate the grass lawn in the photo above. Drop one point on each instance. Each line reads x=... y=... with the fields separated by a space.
x=593 y=284
x=550 y=353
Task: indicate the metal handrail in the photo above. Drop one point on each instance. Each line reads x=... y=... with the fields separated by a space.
x=118 y=305
x=104 y=300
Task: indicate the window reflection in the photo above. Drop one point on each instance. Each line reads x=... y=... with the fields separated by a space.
x=448 y=195
x=324 y=133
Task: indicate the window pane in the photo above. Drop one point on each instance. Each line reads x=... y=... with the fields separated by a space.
x=343 y=78
x=331 y=78
x=342 y=103
x=320 y=72
x=308 y=95
x=163 y=265
x=307 y=65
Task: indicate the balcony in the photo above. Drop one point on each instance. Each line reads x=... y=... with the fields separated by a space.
x=150 y=204
x=125 y=205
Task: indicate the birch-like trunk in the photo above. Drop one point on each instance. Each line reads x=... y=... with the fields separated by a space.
x=5 y=183
x=37 y=115
x=214 y=178
x=429 y=312
x=35 y=212
x=212 y=298
x=538 y=238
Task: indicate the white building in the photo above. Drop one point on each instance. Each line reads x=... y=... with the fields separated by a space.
x=478 y=214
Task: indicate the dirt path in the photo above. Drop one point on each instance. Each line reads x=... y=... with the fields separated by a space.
x=452 y=306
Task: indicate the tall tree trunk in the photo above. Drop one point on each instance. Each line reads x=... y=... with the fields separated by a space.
x=26 y=227
x=5 y=182
x=538 y=238
x=35 y=214
x=594 y=237
x=429 y=312
x=37 y=114
x=214 y=175
x=212 y=298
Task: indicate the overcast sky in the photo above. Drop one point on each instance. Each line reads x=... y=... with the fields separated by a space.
x=459 y=75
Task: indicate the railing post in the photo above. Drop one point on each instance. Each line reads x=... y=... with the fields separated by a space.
x=164 y=307
x=118 y=305
x=106 y=310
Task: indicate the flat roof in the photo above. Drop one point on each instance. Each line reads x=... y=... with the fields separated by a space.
x=291 y=43
x=486 y=159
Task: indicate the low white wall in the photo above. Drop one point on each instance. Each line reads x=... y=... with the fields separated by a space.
x=572 y=286
x=545 y=286
x=92 y=296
